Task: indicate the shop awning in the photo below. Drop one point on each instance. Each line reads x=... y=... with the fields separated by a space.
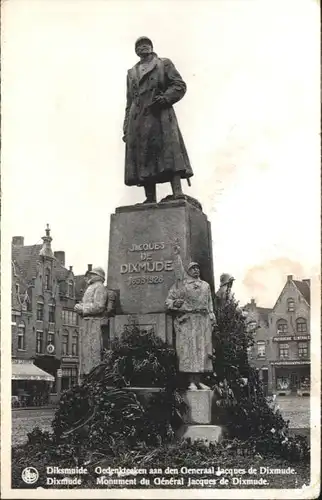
x=29 y=371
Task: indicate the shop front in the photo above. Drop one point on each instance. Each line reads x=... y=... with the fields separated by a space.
x=70 y=372
x=31 y=386
x=292 y=377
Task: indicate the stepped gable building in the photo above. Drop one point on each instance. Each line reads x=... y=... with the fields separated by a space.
x=45 y=328
x=281 y=351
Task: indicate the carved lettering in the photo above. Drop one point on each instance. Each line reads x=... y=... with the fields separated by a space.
x=145 y=280
x=146 y=256
x=147 y=246
x=168 y=265
x=147 y=266
x=159 y=266
x=124 y=268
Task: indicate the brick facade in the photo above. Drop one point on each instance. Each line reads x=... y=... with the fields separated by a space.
x=282 y=339
x=45 y=328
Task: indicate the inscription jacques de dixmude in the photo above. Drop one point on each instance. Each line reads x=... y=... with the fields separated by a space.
x=146 y=264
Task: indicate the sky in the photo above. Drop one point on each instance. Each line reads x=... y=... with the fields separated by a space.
x=250 y=121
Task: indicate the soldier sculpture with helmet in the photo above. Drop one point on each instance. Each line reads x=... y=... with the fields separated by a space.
x=97 y=304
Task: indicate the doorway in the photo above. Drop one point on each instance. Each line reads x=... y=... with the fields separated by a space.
x=294 y=381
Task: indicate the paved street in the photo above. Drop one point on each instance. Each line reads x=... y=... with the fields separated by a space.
x=24 y=421
x=294 y=409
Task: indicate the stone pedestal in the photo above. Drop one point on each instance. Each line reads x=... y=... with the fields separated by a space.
x=198 y=419
x=199 y=402
x=141 y=260
x=206 y=433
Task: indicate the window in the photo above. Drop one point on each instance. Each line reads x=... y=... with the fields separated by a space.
x=261 y=349
x=21 y=336
x=290 y=305
x=39 y=342
x=69 y=378
x=70 y=288
x=47 y=279
x=303 y=349
x=40 y=309
x=301 y=325
x=17 y=288
x=251 y=327
x=75 y=344
x=51 y=313
x=51 y=338
x=282 y=326
x=65 y=341
x=284 y=351
x=70 y=317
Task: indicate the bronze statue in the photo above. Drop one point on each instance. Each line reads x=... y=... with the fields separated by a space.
x=190 y=301
x=155 y=151
x=224 y=291
x=97 y=304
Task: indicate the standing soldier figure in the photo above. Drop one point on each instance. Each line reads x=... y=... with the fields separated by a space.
x=97 y=304
x=155 y=151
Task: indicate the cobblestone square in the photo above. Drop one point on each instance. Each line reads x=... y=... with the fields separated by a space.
x=295 y=409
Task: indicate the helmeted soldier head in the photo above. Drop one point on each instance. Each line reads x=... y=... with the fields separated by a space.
x=143 y=46
x=95 y=274
x=226 y=279
x=194 y=269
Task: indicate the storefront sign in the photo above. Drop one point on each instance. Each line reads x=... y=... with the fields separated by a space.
x=281 y=338
x=289 y=363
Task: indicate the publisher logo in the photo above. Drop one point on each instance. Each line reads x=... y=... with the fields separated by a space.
x=30 y=475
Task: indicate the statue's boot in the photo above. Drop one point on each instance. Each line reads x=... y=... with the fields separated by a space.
x=150 y=193
x=176 y=186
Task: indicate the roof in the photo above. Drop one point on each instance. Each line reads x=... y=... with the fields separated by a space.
x=304 y=288
x=61 y=272
x=29 y=371
x=264 y=312
x=25 y=260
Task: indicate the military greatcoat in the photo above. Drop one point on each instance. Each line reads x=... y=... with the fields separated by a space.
x=155 y=150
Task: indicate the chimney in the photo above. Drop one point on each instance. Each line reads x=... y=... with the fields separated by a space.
x=71 y=268
x=60 y=257
x=290 y=277
x=18 y=241
x=308 y=282
x=253 y=303
x=89 y=267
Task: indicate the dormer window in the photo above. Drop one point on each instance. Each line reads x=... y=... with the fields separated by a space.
x=290 y=305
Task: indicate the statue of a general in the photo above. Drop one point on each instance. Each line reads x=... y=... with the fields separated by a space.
x=97 y=304
x=155 y=151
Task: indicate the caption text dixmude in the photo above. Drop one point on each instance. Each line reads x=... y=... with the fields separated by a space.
x=183 y=477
